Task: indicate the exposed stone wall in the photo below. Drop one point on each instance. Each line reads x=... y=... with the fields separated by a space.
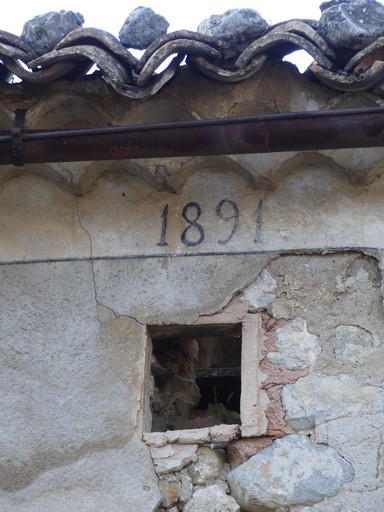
x=292 y=251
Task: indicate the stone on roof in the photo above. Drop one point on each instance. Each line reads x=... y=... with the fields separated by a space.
x=44 y=31
x=236 y=28
x=142 y=27
x=352 y=24
x=346 y=45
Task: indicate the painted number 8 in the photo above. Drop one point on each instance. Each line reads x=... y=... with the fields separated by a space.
x=193 y=234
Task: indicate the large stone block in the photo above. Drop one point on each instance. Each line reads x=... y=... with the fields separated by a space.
x=313 y=400
x=292 y=471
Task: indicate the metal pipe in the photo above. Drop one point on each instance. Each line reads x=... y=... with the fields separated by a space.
x=295 y=131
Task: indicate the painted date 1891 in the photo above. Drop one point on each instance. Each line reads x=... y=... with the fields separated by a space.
x=194 y=233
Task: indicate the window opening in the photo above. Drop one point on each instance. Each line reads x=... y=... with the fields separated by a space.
x=196 y=376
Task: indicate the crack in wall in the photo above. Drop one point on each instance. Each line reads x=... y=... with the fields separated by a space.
x=91 y=260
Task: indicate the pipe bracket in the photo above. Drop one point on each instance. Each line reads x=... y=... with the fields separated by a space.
x=17 y=138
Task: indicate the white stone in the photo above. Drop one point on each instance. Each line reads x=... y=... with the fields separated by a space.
x=296 y=347
x=292 y=471
x=354 y=342
x=162 y=452
x=262 y=292
x=183 y=455
x=155 y=439
x=212 y=499
x=223 y=433
x=208 y=465
x=313 y=400
x=188 y=436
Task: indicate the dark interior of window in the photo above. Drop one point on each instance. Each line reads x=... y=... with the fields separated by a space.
x=196 y=375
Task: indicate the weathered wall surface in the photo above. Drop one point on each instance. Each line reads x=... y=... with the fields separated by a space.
x=93 y=253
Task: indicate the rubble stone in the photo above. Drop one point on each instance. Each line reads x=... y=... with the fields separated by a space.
x=170 y=489
x=292 y=471
x=212 y=498
x=354 y=342
x=208 y=465
x=352 y=24
x=236 y=28
x=296 y=347
x=43 y=32
x=142 y=27
x=262 y=292
x=186 y=489
x=183 y=455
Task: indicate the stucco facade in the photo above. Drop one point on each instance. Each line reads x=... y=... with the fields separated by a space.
x=116 y=274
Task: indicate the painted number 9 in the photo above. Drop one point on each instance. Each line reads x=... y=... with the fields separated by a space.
x=227 y=210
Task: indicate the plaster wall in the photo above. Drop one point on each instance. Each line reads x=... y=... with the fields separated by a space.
x=291 y=245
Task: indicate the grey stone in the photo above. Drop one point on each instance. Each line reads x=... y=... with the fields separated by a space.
x=292 y=471
x=354 y=342
x=186 y=490
x=236 y=28
x=142 y=27
x=313 y=400
x=296 y=347
x=346 y=501
x=261 y=293
x=358 y=440
x=352 y=24
x=43 y=32
x=212 y=498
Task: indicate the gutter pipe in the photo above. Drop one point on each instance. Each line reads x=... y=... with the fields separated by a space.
x=294 y=131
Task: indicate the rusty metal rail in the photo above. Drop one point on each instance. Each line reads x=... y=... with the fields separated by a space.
x=295 y=131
